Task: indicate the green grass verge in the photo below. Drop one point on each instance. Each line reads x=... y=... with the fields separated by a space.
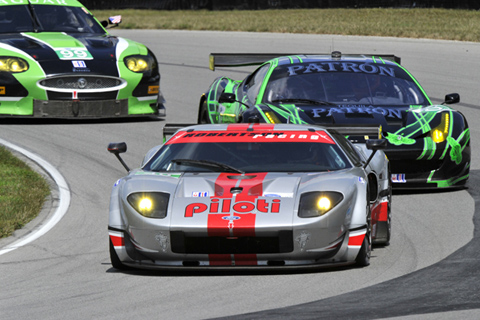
x=407 y=23
x=22 y=193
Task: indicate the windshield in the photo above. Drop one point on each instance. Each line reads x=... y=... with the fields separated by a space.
x=251 y=157
x=390 y=88
x=48 y=18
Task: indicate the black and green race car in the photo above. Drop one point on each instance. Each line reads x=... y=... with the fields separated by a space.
x=428 y=144
x=57 y=60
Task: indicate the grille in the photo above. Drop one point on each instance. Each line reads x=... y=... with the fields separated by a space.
x=82 y=83
x=182 y=243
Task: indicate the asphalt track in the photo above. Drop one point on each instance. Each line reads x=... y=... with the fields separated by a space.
x=430 y=270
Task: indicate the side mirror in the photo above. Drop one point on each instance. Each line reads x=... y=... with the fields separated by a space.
x=116 y=148
x=115 y=20
x=452 y=98
x=375 y=145
x=226 y=97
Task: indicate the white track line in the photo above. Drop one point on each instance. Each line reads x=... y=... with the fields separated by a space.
x=64 y=197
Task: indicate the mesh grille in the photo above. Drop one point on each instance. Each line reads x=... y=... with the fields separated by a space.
x=81 y=83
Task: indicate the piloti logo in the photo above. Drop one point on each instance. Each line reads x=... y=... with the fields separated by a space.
x=226 y=206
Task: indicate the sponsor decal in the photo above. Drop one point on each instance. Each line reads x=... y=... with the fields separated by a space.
x=395 y=113
x=197 y=194
x=361 y=180
x=246 y=136
x=79 y=64
x=229 y=206
x=340 y=66
x=398 y=178
x=117 y=183
x=162 y=239
x=2 y=90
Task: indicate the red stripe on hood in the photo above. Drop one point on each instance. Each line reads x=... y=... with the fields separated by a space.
x=234 y=224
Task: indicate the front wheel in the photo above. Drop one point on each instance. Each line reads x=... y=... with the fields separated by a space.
x=363 y=257
x=203 y=116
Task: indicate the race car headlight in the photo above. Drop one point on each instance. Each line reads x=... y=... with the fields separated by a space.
x=440 y=133
x=272 y=118
x=316 y=204
x=13 y=64
x=150 y=204
x=139 y=64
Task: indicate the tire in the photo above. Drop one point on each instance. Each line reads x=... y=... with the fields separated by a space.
x=116 y=263
x=203 y=117
x=363 y=257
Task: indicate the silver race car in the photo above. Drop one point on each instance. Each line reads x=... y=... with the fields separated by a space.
x=251 y=195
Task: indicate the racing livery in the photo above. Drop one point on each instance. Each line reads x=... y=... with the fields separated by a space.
x=428 y=144
x=58 y=60
x=253 y=196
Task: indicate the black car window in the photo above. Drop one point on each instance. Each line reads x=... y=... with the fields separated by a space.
x=348 y=147
x=253 y=156
x=15 y=19
x=389 y=85
x=254 y=83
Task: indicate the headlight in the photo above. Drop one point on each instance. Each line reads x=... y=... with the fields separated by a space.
x=13 y=64
x=316 y=204
x=150 y=204
x=139 y=64
x=272 y=117
x=440 y=133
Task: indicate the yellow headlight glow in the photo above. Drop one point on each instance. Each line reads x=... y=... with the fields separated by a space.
x=440 y=133
x=136 y=64
x=324 y=204
x=272 y=118
x=13 y=64
x=145 y=204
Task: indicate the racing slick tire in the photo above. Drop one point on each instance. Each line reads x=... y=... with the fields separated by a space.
x=116 y=263
x=203 y=117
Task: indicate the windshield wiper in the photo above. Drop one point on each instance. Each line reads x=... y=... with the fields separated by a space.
x=207 y=164
x=35 y=23
x=309 y=101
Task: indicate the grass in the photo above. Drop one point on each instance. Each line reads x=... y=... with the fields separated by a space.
x=22 y=193
x=428 y=23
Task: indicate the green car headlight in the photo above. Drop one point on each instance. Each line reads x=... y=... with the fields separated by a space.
x=13 y=64
x=150 y=204
x=139 y=64
x=440 y=133
x=316 y=204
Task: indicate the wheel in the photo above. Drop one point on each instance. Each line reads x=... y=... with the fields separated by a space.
x=116 y=263
x=203 y=115
x=363 y=257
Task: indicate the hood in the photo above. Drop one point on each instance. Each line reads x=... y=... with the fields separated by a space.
x=79 y=52
x=229 y=204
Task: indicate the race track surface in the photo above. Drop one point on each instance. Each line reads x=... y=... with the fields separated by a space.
x=430 y=270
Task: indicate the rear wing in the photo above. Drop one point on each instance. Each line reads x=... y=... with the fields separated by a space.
x=358 y=133
x=252 y=59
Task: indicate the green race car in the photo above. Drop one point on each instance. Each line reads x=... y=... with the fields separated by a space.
x=57 y=60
